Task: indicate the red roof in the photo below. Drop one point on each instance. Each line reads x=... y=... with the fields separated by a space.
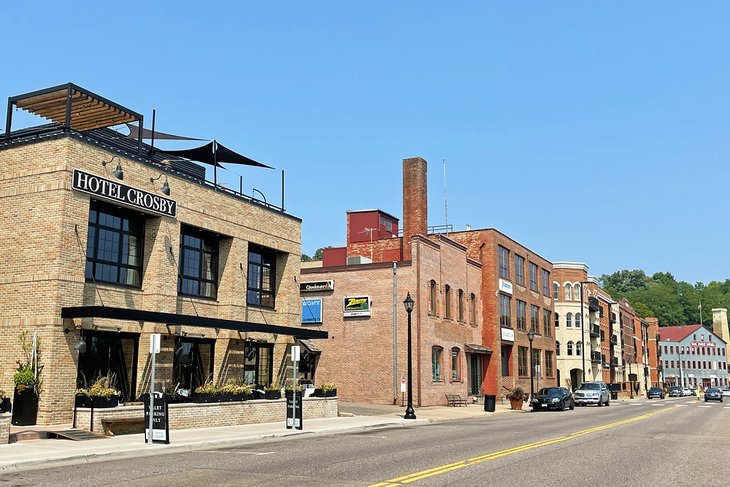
x=677 y=333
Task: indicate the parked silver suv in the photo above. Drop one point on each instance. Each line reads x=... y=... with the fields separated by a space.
x=592 y=393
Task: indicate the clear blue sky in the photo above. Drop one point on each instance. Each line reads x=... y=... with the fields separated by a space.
x=589 y=131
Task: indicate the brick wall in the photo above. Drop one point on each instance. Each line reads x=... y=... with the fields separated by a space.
x=42 y=264
x=192 y=415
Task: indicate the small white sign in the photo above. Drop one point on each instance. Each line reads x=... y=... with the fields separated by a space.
x=505 y=286
x=295 y=353
x=508 y=334
x=154 y=343
x=403 y=384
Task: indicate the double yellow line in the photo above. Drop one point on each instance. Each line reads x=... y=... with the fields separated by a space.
x=431 y=472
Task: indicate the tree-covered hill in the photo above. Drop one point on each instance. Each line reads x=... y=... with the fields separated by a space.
x=661 y=295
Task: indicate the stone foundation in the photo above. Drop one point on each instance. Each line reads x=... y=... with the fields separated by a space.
x=4 y=428
x=200 y=415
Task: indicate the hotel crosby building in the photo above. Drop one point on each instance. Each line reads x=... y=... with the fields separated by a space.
x=95 y=259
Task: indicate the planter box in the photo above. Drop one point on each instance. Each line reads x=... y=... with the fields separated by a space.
x=318 y=393
x=25 y=411
x=257 y=394
x=272 y=394
x=204 y=397
x=97 y=402
x=5 y=405
x=331 y=393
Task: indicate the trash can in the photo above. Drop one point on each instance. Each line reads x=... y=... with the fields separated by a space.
x=614 y=395
x=490 y=401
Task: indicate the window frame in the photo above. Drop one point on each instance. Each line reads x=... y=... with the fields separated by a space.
x=136 y=226
x=267 y=264
x=455 y=365
x=519 y=270
x=535 y=319
x=447 y=302
x=505 y=313
x=533 y=277
x=522 y=366
x=547 y=322
x=545 y=282
x=433 y=297
x=521 y=315
x=186 y=251
x=503 y=262
x=436 y=363
x=460 y=306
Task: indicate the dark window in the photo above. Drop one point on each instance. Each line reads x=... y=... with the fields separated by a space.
x=546 y=324
x=577 y=320
x=570 y=348
x=535 y=319
x=548 y=363
x=503 y=262
x=506 y=361
x=556 y=289
x=261 y=276
x=522 y=361
x=112 y=355
x=432 y=297
x=505 y=318
x=521 y=315
x=545 y=283
x=461 y=305
x=557 y=349
x=447 y=302
x=115 y=246
x=192 y=363
x=473 y=309
x=533 y=277
x=557 y=320
x=257 y=364
x=198 y=263
x=519 y=270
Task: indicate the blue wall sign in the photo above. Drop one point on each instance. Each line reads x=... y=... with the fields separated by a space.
x=311 y=310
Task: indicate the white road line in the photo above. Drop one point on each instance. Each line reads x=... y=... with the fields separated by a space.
x=635 y=404
x=658 y=405
x=680 y=405
x=704 y=406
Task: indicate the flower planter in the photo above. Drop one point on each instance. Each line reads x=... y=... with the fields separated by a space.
x=272 y=394
x=204 y=397
x=25 y=411
x=5 y=405
x=516 y=403
x=231 y=397
x=330 y=393
x=84 y=401
x=257 y=394
x=318 y=393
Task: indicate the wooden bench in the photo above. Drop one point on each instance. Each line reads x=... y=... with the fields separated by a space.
x=455 y=400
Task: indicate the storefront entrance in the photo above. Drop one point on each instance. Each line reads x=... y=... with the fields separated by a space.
x=109 y=354
x=192 y=363
x=475 y=373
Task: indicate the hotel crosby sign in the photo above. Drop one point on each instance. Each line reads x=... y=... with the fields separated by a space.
x=123 y=194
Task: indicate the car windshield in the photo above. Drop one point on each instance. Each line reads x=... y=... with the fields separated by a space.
x=550 y=391
x=654 y=389
x=713 y=390
x=591 y=386
x=676 y=388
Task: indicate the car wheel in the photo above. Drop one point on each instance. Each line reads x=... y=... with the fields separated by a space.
x=562 y=405
x=705 y=399
x=608 y=402
x=600 y=404
x=572 y=405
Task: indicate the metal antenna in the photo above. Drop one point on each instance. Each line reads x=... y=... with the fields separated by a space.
x=446 y=198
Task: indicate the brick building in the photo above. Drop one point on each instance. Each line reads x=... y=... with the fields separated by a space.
x=366 y=353
x=95 y=259
x=693 y=356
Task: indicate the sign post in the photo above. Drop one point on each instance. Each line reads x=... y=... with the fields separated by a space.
x=160 y=430
x=294 y=402
x=154 y=350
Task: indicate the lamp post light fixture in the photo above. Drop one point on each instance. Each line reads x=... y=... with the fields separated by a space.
x=118 y=171
x=531 y=336
x=410 y=413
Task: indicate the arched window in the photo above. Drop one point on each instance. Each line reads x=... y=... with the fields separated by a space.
x=569 y=320
x=432 y=297
x=578 y=348
x=461 y=305
x=447 y=302
x=455 y=365
x=577 y=320
x=576 y=292
x=556 y=287
x=557 y=320
x=557 y=349
x=568 y=292
x=570 y=348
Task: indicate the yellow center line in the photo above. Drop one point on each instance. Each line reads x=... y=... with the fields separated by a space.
x=407 y=479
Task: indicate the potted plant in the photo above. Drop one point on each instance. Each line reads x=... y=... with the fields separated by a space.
x=206 y=393
x=329 y=389
x=516 y=397
x=289 y=390
x=234 y=391
x=4 y=402
x=101 y=394
x=27 y=379
x=171 y=390
x=272 y=392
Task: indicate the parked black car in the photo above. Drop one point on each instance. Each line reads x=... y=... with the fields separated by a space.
x=675 y=391
x=713 y=394
x=655 y=392
x=553 y=398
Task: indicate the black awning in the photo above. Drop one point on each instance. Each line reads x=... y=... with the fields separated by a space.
x=475 y=348
x=185 y=320
x=310 y=346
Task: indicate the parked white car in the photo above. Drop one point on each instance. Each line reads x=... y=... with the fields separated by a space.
x=725 y=391
x=592 y=393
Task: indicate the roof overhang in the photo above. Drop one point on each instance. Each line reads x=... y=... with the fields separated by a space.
x=476 y=348
x=185 y=320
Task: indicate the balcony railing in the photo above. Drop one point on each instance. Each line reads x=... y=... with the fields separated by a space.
x=593 y=304
x=595 y=331
x=596 y=357
x=614 y=340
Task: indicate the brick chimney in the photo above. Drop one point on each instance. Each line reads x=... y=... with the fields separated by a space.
x=415 y=201
x=720 y=327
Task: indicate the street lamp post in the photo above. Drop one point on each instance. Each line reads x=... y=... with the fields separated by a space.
x=410 y=413
x=531 y=336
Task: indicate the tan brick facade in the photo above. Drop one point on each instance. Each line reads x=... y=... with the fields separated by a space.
x=44 y=236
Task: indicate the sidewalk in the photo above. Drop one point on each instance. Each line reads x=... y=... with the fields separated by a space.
x=35 y=454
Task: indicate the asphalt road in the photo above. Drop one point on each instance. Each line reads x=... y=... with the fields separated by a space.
x=677 y=441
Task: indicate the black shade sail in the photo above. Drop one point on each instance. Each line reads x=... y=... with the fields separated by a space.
x=186 y=320
x=213 y=153
x=150 y=134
